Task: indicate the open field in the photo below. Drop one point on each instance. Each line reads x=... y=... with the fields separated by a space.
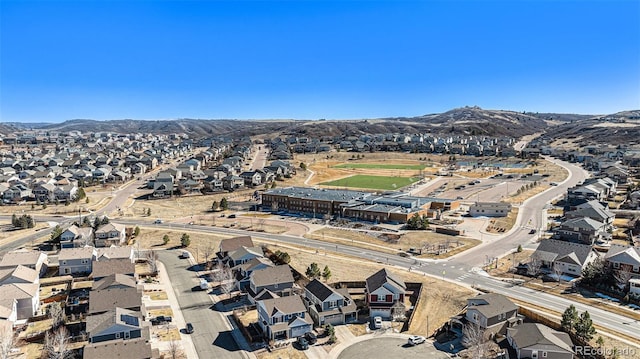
x=11 y=235
x=383 y=166
x=503 y=224
x=394 y=244
x=441 y=301
x=372 y=182
x=201 y=243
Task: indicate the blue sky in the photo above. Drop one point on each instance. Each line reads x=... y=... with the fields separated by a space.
x=309 y=60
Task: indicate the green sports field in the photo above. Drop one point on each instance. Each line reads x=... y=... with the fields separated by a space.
x=373 y=182
x=381 y=166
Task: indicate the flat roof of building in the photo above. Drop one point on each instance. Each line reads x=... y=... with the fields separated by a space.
x=320 y=194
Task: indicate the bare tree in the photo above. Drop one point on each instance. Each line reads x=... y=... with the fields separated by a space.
x=557 y=270
x=7 y=341
x=534 y=265
x=224 y=276
x=208 y=252
x=56 y=344
x=152 y=259
x=622 y=276
x=56 y=313
x=473 y=339
x=175 y=351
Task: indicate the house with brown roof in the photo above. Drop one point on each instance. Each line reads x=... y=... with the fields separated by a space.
x=231 y=244
x=31 y=259
x=283 y=318
x=242 y=272
x=114 y=281
x=278 y=280
x=385 y=294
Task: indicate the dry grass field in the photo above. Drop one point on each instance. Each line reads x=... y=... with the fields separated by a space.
x=395 y=244
x=12 y=235
x=503 y=224
x=200 y=242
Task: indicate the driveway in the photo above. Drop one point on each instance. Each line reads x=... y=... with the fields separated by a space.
x=390 y=347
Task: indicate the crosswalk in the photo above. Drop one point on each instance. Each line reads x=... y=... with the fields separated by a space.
x=466 y=275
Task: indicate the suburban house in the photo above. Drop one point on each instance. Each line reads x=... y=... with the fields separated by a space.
x=76 y=260
x=19 y=293
x=493 y=313
x=327 y=305
x=117 y=323
x=233 y=244
x=104 y=268
x=283 y=318
x=532 y=340
x=278 y=280
x=32 y=259
x=114 y=281
x=624 y=258
x=490 y=209
x=385 y=295
x=244 y=270
x=583 y=230
x=592 y=209
x=110 y=234
x=568 y=258
x=110 y=253
x=243 y=255
x=103 y=300
x=74 y=237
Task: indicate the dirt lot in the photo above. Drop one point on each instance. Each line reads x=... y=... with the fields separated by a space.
x=441 y=301
x=503 y=224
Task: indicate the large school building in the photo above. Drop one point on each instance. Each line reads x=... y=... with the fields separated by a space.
x=367 y=206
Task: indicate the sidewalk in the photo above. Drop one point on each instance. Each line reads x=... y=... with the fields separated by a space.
x=165 y=284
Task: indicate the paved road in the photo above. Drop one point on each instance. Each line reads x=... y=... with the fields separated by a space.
x=530 y=216
x=212 y=338
x=386 y=347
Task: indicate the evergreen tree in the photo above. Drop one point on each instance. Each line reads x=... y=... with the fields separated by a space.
x=569 y=319
x=136 y=231
x=55 y=233
x=185 y=240
x=224 y=204
x=326 y=273
x=214 y=205
x=14 y=220
x=313 y=271
x=165 y=239
x=584 y=328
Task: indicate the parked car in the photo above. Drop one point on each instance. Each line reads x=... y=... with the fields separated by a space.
x=161 y=319
x=416 y=339
x=311 y=338
x=157 y=221
x=231 y=216
x=533 y=231
x=303 y=344
x=377 y=322
x=189 y=328
x=185 y=254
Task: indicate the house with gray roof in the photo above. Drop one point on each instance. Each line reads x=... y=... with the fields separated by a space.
x=110 y=234
x=385 y=295
x=283 y=317
x=118 y=333
x=328 y=305
x=76 y=260
x=592 y=209
x=278 y=279
x=492 y=312
x=583 y=230
x=569 y=258
x=533 y=340
x=242 y=272
x=75 y=237
x=624 y=258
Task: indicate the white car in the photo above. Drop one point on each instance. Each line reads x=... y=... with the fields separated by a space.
x=416 y=339
x=377 y=322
